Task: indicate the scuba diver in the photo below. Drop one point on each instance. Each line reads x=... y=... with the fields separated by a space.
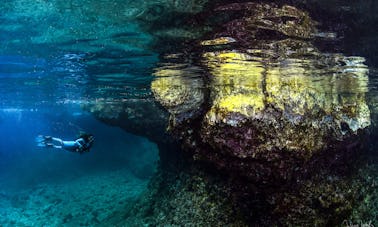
x=82 y=144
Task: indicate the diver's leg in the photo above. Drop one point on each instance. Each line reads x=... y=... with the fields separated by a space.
x=42 y=141
x=57 y=141
x=53 y=145
x=49 y=141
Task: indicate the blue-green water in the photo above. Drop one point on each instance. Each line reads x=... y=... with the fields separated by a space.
x=64 y=65
x=56 y=57
x=119 y=162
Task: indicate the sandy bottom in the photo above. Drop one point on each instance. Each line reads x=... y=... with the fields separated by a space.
x=88 y=200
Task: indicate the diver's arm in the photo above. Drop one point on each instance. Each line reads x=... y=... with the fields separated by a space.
x=80 y=142
x=53 y=145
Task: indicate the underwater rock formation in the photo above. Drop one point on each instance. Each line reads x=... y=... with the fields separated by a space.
x=190 y=198
x=179 y=88
x=270 y=108
x=282 y=119
x=273 y=112
x=285 y=105
x=133 y=115
x=269 y=18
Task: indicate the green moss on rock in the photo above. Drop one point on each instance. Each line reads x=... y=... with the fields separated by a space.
x=188 y=198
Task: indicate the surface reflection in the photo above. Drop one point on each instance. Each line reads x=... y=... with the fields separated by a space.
x=262 y=75
x=179 y=88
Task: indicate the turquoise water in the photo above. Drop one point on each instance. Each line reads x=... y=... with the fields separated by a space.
x=128 y=72
x=60 y=183
x=54 y=59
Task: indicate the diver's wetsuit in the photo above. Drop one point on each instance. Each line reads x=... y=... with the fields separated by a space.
x=74 y=146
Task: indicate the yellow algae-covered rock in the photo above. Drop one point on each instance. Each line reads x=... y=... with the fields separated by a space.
x=268 y=101
x=236 y=86
x=302 y=102
x=178 y=88
x=218 y=41
x=290 y=105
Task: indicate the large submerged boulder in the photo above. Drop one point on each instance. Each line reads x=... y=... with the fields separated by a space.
x=271 y=108
x=283 y=119
x=297 y=106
